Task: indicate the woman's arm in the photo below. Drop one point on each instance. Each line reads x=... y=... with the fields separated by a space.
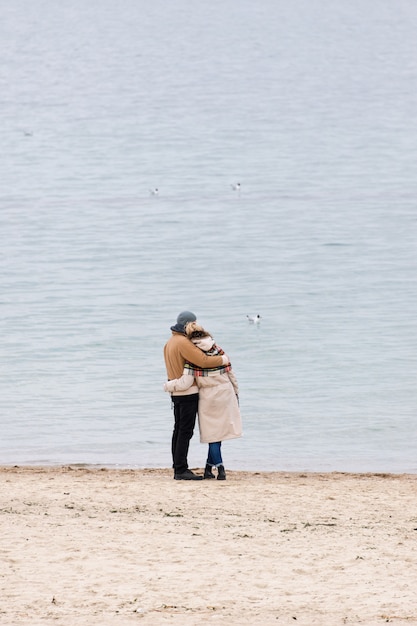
x=179 y=384
x=233 y=380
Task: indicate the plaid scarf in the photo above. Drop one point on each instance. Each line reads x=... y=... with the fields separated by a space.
x=193 y=370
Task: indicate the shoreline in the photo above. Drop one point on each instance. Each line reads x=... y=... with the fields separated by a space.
x=97 y=546
x=197 y=469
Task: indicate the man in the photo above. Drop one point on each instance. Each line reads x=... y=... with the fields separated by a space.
x=177 y=350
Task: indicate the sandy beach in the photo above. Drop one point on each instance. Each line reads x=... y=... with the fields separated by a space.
x=86 y=546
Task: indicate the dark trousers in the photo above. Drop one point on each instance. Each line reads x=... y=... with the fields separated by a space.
x=185 y=413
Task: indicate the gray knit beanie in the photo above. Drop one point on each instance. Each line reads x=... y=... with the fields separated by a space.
x=183 y=318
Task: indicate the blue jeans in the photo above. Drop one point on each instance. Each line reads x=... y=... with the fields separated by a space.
x=215 y=454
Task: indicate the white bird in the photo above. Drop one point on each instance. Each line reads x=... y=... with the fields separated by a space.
x=154 y=192
x=236 y=186
x=254 y=319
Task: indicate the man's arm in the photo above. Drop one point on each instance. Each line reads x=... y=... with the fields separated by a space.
x=194 y=355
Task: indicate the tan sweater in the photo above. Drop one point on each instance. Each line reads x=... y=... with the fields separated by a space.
x=179 y=349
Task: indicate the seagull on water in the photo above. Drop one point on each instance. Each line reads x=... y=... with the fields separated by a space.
x=236 y=186
x=154 y=191
x=254 y=319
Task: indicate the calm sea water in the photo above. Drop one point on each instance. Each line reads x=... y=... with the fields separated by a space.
x=312 y=107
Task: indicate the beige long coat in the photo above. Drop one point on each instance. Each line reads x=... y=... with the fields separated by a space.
x=218 y=409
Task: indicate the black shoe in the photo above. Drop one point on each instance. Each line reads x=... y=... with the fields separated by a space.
x=221 y=475
x=208 y=473
x=187 y=475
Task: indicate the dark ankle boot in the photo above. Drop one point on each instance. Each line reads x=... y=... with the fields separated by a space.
x=208 y=473
x=221 y=474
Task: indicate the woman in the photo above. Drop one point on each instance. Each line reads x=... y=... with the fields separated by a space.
x=218 y=407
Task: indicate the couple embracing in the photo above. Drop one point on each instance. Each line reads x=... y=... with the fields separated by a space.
x=200 y=380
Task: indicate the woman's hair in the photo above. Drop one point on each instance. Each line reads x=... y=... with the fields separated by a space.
x=194 y=330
